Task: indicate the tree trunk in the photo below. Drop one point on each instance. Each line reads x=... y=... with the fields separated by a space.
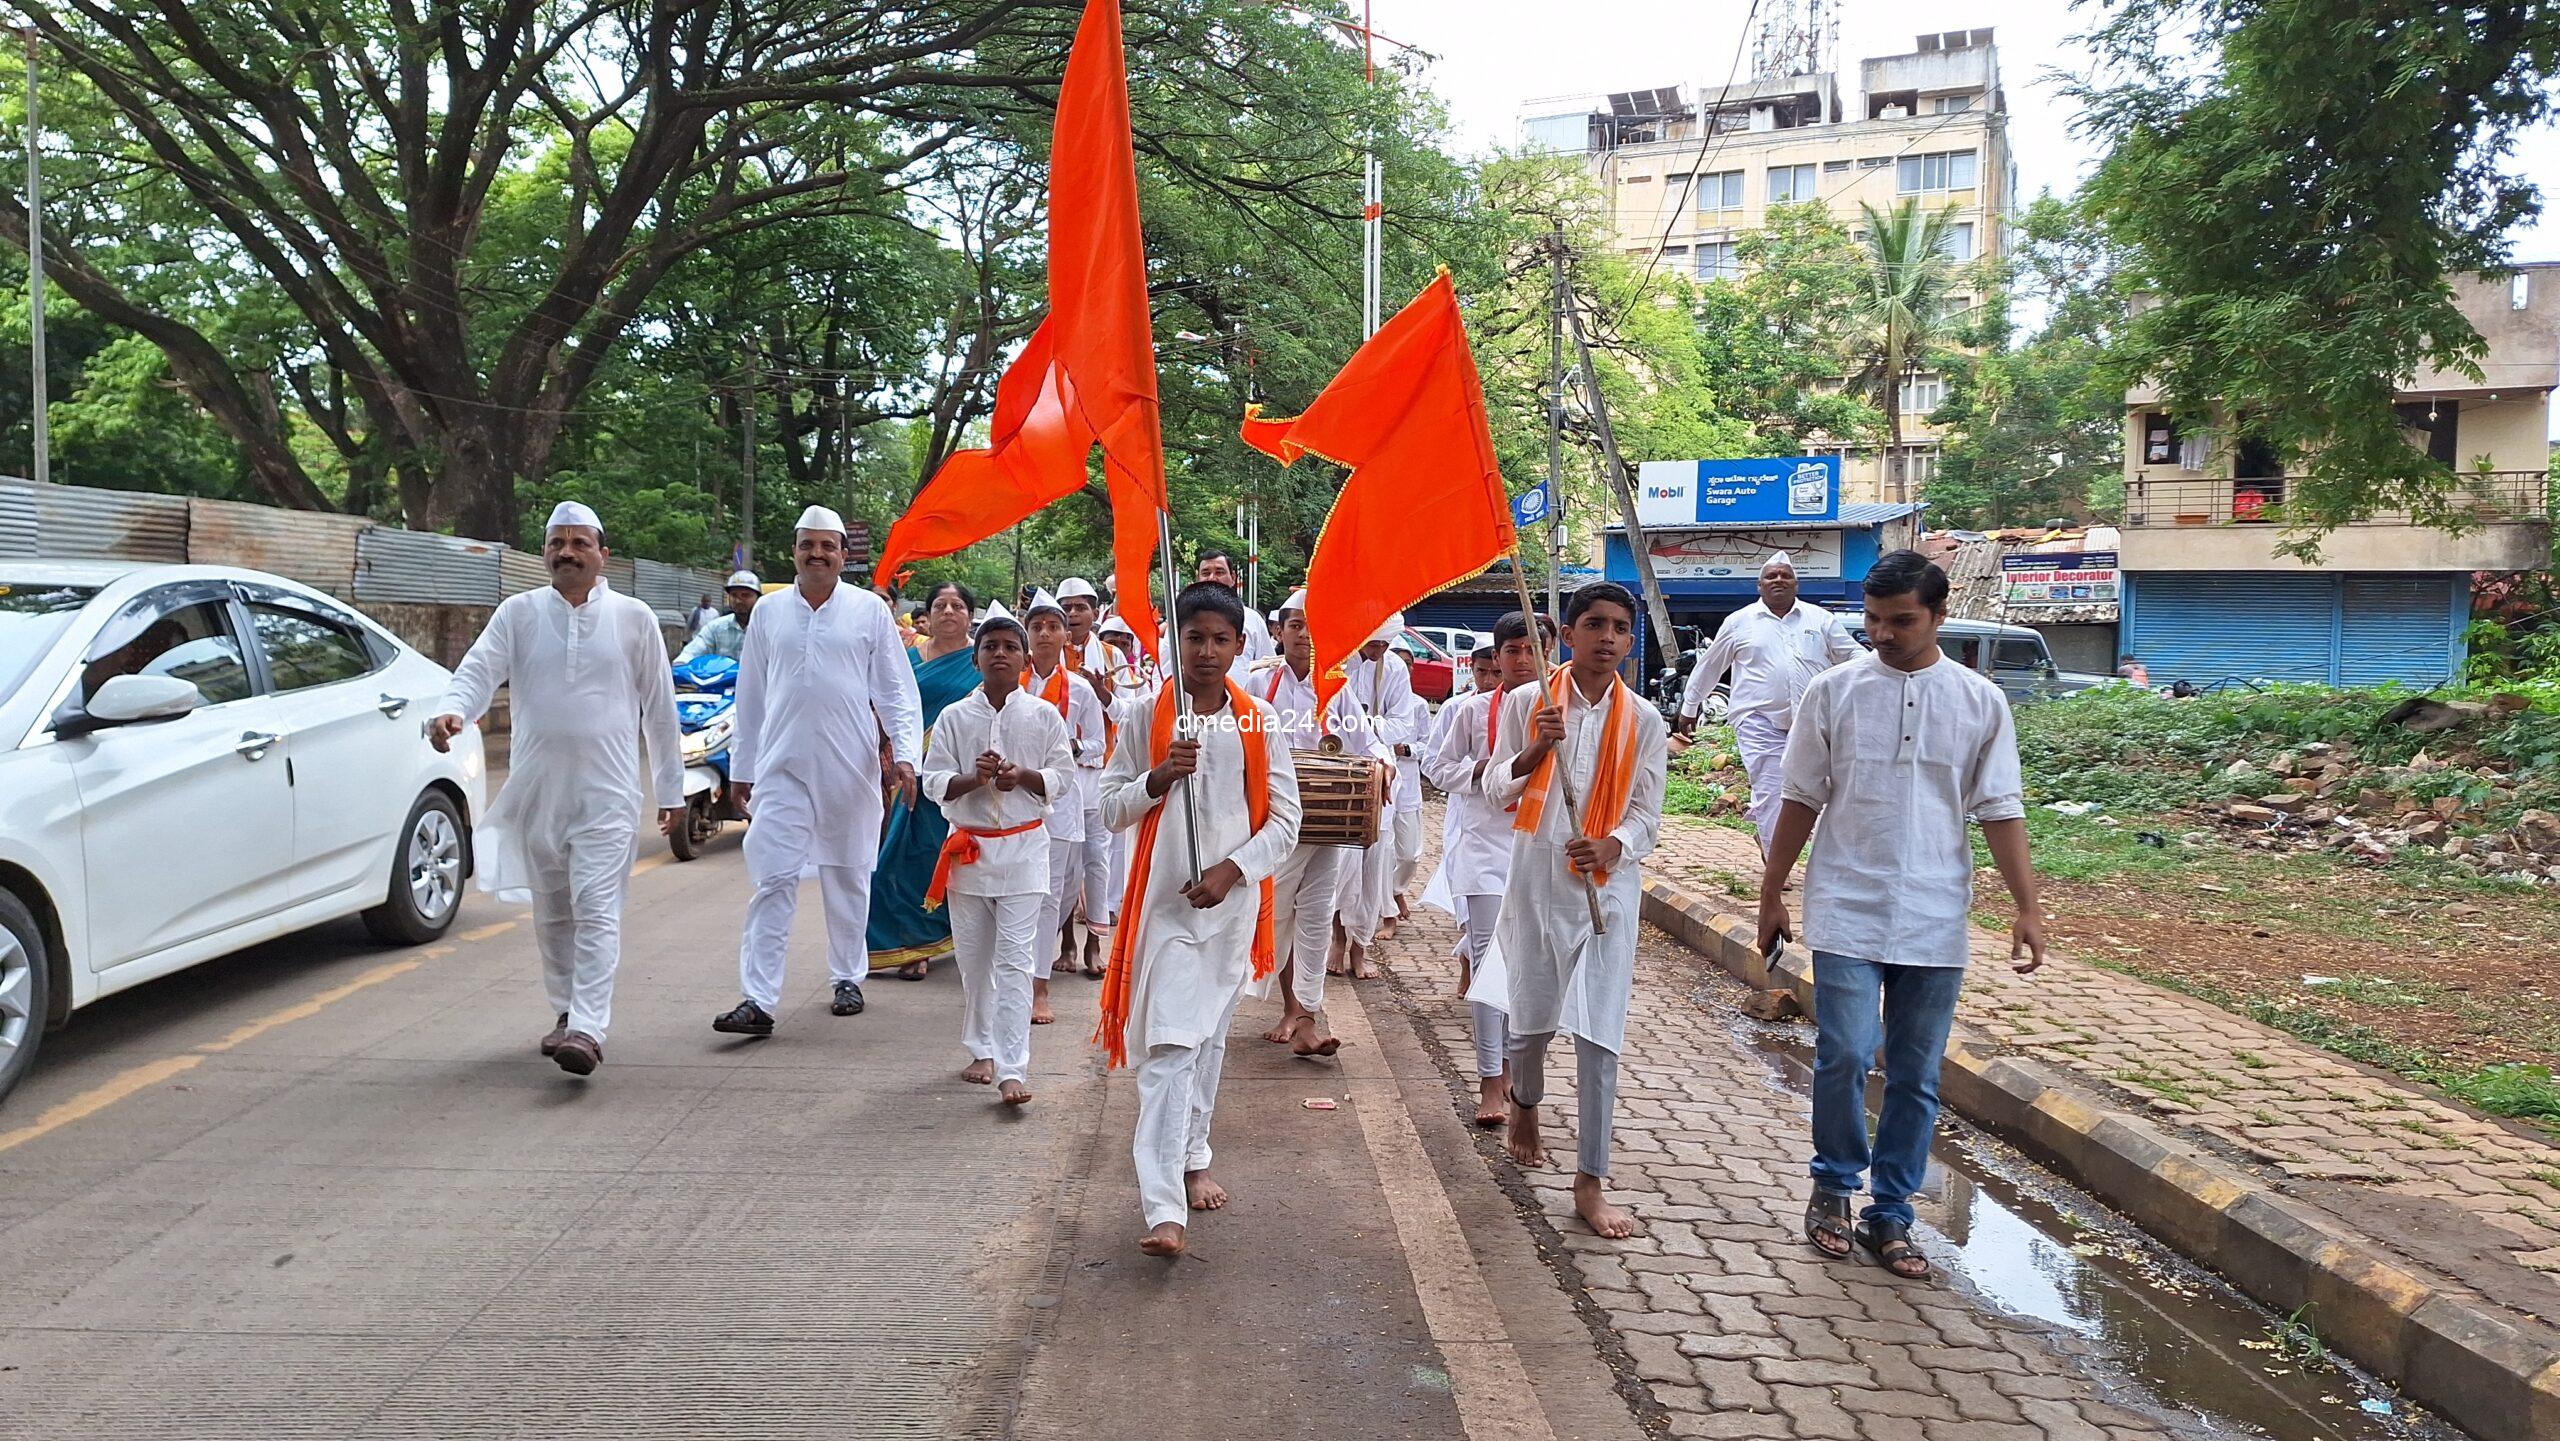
x=473 y=493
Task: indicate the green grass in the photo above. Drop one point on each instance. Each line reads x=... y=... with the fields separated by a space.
x=2384 y=992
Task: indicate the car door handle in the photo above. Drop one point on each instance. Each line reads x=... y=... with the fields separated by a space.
x=254 y=745
x=392 y=705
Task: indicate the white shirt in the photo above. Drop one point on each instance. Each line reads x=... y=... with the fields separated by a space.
x=1293 y=696
x=1561 y=976
x=818 y=689
x=1087 y=741
x=1027 y=733
x=1475 y=834
x=1411 y=731
x=1382 y=688
x=1192 y=963
x=1897 y=763
x=588 y=685
x=1773 y=657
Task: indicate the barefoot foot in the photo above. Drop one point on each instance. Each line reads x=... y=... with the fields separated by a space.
x=1308 y=1038
x=1489 y=1108
x=1522 y=1141
x=1164 y=1240
x=1204 y=1193
x=1014 y=1093
x=1041 y=1015
x=1290 y=1014
x=1612 y=1222
x=978 y=1073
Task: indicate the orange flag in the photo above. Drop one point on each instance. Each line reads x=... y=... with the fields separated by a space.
x=1087 y=376
x=1424 y=505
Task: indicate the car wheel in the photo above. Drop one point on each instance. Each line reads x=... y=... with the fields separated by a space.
x=426 y=875
x=25 y=989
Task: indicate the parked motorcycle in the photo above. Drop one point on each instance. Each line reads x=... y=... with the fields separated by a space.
x=706 y=713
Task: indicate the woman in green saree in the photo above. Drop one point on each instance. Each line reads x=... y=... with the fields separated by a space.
x=902 y=932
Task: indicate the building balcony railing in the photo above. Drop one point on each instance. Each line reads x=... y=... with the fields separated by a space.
x=2155 y=500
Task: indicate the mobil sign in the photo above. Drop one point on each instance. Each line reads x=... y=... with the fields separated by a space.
x=1690 y=493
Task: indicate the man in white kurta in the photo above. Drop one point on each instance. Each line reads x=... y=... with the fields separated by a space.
x=1190 y=961
x=1073 y=698
x=1774 y=646
x=587 y=675
x=1302 y=894
x=988 y=748
x=1475 y=842
x=1099 y=658
x=1560 y=975
x=1379 y=681
x=822 y=681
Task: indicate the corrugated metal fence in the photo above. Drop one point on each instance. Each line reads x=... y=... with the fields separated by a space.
x=343 y=555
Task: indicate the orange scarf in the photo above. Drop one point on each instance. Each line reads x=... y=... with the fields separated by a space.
x=1613 y=776
x=960 y=848
x=1118 y=987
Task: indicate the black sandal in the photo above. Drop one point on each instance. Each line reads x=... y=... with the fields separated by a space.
x=1827 y=1214
x=1890 y=1241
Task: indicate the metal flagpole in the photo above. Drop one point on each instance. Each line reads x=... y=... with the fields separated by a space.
x=43 y=439
x=1564 y=773
x=1183 y=728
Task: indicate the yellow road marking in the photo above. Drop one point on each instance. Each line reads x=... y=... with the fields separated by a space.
x=494 y=928
x=98 y=1098
x=322 y=1001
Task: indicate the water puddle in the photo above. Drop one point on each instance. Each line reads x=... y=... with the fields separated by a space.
x=2169 y=1336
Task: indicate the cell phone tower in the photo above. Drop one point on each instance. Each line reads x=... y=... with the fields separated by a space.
x=1797 y=37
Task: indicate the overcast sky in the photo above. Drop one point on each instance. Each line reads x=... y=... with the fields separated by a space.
x=1491 y=55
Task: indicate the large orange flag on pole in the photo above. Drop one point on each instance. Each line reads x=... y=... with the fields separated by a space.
x=1424 y=505
x=1087 y=376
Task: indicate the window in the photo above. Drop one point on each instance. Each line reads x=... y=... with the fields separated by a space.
x=1874 y=162
x=1550 y=133
x=1956 y=241
x=1835 y=167
x=163 y=634
x=1719 y=260
x=1946 y=170
x=1923 y=393
x=1964 y=650
x=1791 y=183
x=305 y=650
x=1720 y=191
x=2017 y=653
x=1955 y=309
x=32 y=617
x=1951 y=104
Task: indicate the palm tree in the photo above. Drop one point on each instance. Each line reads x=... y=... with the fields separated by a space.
x=1902 y=320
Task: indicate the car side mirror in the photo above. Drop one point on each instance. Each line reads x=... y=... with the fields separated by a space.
x=130 y=699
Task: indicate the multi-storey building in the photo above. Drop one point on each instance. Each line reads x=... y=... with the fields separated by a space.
x=1687 y=171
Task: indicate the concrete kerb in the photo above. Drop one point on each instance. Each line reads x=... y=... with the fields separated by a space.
x=2442 y=1348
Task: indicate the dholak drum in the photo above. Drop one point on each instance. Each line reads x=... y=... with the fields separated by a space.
x=1339 y=798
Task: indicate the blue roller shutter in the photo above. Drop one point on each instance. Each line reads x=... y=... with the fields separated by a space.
x=2398 y=627
x=2209 y=628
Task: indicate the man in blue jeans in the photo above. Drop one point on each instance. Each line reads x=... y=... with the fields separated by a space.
x=1895 y=751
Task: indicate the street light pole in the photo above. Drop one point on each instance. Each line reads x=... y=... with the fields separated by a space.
x=43 y=438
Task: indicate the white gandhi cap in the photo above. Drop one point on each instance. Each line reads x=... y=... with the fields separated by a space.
x=1394 y=627
x=1776 y=559
x=1041 y=600
x=1297 y=601
x=1075 y=587
x=818 y=517
x=570 y=512
x=743 y=580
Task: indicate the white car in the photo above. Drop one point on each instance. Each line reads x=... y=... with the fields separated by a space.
x=195 y=758
x=1457 y=640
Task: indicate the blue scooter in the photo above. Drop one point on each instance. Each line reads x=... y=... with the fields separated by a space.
x=706 y=705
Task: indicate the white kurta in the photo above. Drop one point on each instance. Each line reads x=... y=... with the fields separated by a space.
x=1773 y=658
x=1475 y=833
x=1193 y=963
x=1293 y=697
x=1027 y=733
x=1559 y=975
x=588 y=686
x=817 y=690
x=1897 y=762
x=1083 y=722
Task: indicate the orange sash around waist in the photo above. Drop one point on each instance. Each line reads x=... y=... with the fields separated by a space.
x=960 y=848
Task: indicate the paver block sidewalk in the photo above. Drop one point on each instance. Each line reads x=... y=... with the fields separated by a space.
x=2452 y=1192
x=1735 y=1326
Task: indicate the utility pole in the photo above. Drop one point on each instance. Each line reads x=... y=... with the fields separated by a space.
x=745 y=557
x=1616 y=470
x=42 y=431
x=1557 y=301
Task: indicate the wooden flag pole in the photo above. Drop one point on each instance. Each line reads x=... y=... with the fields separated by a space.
x=1564 y=773
x=1183 y=728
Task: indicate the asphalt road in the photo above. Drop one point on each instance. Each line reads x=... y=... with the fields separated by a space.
x=325 y=1188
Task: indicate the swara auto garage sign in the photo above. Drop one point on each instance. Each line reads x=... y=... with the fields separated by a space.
x=1772 y=491
x=2075 y=578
